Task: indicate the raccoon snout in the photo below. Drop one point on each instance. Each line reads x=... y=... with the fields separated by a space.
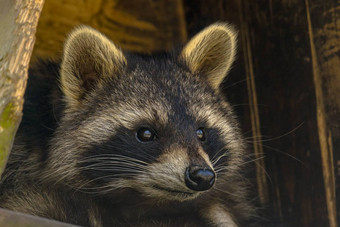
x=199 y=178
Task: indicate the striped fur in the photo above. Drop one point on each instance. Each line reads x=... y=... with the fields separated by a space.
x=77 y=157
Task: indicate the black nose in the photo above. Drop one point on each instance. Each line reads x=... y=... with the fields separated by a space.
x=198 y=178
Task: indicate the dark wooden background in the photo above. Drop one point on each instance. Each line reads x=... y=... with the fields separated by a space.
x=285 y=84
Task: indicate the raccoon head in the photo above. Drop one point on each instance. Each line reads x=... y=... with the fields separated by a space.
x=156 y=124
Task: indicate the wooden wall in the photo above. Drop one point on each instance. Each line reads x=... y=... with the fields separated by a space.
x=18 y=24
x=285 y=85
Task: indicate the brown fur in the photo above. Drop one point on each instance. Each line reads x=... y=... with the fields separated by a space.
x=77 y=157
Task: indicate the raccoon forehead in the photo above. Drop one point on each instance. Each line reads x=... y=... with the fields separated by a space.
x=156 y=97
x=169 y=97
x=102 y=124
x=211 y=115
x=132 y=114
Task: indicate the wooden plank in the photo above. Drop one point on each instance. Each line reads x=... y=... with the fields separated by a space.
x=16 y=219
x=283 y=69
x=142 y=26
x=254 y=110
x=19 y=19
x=324 y=23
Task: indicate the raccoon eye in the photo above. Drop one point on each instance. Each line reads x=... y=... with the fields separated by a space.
x=200 y=134
x=145 y=134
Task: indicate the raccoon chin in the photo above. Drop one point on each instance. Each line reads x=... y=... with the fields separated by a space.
x=169 y=194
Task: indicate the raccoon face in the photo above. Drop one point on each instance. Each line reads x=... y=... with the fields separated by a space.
x=155 y=124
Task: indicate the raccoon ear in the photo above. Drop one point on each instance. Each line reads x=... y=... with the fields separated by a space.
x=211 y=52
x=88 y=57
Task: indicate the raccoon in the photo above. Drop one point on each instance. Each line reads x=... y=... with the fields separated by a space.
x=110 y=138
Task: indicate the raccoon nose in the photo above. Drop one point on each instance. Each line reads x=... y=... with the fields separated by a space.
x=199 y=178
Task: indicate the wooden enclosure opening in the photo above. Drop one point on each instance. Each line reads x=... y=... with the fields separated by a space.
x=284 y=86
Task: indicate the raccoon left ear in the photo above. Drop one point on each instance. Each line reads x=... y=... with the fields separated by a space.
x=88 y=58
x=211 y=52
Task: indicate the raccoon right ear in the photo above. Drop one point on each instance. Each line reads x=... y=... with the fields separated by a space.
x=88 y=57
x=211 y=53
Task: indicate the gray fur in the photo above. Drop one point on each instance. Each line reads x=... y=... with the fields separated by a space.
x=90 y=169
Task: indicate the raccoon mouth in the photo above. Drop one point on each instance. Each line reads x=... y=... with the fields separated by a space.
x=174 y=192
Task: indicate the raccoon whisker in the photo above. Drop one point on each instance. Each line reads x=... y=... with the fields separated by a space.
x=51 y=129
x=103 y=188
x=258 y=139
x=109 y=159
x=219 y=158
x=117 y=170
x=284 y=153
x=235 y=83
x=218 y=153
x=111 y=165
x=254 y=139
x=133 y=172
x=277 y=137
x=214 y=163
x=115 y=156
x=221 y=167
x=108 y=190
x=265 y=172
x=114 y=163
x=127 y=169
x=143 y=155
x=279 y=151
x=253 y=160
x=285 y=134
x=236 y=195
x=111 y=168
x=146 y=157
x=82 y=186
x=219 y=170
x=98 y=190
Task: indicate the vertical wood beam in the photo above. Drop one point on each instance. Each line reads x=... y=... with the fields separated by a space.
x=326 y=74
x=19 y=20
x=279 y=44
x=253 y=105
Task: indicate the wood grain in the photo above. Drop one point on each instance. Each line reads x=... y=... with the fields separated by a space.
x=254 y=111
x=283 y=68
x=17 y=219
x=325 y=48
x=19 y=19
x=141 y=26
